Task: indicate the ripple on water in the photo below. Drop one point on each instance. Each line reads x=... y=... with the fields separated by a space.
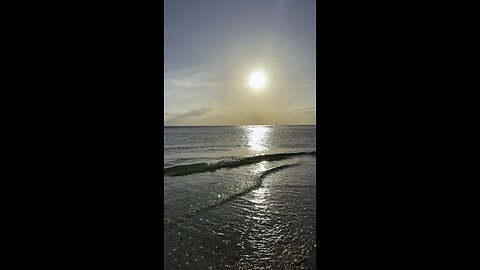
x=271 y=227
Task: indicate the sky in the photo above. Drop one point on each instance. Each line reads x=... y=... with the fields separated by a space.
x=211 y=48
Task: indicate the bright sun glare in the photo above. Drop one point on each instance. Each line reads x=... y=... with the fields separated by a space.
x=257 y=80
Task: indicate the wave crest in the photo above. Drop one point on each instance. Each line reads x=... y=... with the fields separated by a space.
x=179 y=170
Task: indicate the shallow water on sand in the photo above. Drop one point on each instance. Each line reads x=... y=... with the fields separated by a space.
x=249 y=213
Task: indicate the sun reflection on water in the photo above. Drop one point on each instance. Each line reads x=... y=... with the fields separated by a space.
x=258 y=138
x=260 y=197
x=260 y=168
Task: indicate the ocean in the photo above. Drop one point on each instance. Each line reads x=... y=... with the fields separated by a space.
x=240 y=197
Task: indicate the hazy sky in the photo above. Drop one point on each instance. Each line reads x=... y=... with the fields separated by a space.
x=211 y=48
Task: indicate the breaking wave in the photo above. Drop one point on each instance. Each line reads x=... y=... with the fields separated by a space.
x=179 y=170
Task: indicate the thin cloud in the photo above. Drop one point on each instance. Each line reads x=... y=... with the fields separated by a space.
x=174 y=117
x=309 y=109
x=196 y=77
x=307 y=83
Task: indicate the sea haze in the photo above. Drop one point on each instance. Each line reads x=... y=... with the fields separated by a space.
x=240 y=197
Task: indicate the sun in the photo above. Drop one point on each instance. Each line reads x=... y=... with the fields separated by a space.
x=257 y=80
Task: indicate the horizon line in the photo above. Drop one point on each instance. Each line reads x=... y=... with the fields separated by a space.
x=237 y=125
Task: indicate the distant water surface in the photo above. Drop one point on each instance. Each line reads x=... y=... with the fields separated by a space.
x=240 y=197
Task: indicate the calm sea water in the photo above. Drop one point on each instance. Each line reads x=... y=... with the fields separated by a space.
x=240 y=197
